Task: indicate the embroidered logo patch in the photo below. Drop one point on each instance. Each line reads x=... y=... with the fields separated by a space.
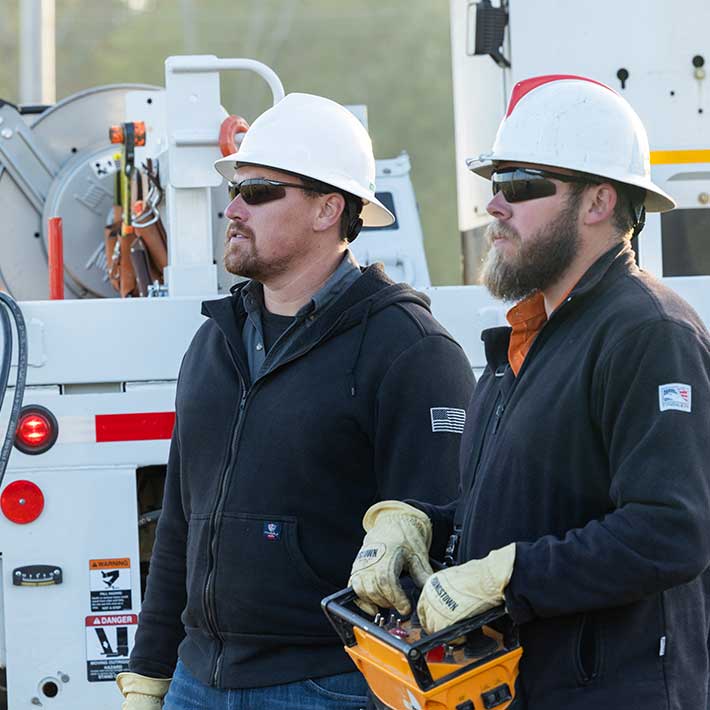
x=448 y=419
x=272 y=531
x=675 y=396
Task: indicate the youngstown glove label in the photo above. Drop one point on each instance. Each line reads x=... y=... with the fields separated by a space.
x=443 y=594
x=369 y=555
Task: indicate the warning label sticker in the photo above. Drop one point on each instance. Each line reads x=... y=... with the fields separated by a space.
x=110 y=584
x=109 y=640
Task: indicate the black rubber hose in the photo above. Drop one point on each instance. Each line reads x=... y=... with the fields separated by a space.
x=20 y=381
x=6 y=353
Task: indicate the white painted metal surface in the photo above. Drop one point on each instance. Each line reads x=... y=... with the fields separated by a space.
x=89 y=514
x=77 y=442
x=108 y=340
x=193 y=119
x=399 y=247
x=480 y=94
x=671 y=96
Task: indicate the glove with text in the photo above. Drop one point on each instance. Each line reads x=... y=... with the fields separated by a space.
x=397 y=540
x=466 y=590
x=141 y=692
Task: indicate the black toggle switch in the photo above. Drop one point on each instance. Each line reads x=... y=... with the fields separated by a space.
x=497 y=696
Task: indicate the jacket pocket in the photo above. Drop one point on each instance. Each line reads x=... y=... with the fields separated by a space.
x=588 y=651
x=263 y=582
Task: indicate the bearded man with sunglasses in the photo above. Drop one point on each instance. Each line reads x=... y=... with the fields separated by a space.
x=306 y=396
x=585 y=488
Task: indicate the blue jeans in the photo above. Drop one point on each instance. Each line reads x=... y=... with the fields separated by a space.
x=347 y=691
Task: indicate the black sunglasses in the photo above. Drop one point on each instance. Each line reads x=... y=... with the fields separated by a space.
x=257 y=191
x=522 y=184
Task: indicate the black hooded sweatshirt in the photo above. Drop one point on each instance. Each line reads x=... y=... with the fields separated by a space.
x=268 y=480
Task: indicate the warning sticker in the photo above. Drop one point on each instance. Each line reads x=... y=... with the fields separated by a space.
x=110 y=584
x=109 y=640
x=107 y=165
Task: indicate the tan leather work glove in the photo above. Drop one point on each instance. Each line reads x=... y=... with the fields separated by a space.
x=457 y=593
x=397 y=540
x=141 y=692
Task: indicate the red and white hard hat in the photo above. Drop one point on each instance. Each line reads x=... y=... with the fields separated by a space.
x=317 y=138
x=576 y=123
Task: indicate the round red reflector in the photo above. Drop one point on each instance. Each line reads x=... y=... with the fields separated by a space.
x=37 y=430
x=22 y=502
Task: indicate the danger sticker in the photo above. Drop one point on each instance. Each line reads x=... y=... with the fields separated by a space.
x=110 y=584
x=109 y=640
x=112 y=620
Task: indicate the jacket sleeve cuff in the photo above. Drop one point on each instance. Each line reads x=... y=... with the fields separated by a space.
x=516 y=604
x=151 y=668
x=442 y=523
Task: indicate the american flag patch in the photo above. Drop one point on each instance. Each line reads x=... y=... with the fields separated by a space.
x=675 y=395
x=448 y=419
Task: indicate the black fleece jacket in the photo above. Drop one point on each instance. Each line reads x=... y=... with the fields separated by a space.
x=595 y=460
x=268 y=480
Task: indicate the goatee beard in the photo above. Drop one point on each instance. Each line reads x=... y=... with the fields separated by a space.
x=246 y=261
x=536 y=264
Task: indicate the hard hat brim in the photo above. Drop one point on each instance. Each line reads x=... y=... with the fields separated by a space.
x=374 y=213
x=657 y=200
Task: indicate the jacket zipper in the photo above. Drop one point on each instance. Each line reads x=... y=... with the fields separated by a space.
x=208 y=596
x=497 y=416
x=481 y=446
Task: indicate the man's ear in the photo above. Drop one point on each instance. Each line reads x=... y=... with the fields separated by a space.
x=599 y=203
x=331 y=207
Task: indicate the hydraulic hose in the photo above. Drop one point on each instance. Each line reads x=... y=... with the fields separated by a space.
x=7 y=303
x=7 y=353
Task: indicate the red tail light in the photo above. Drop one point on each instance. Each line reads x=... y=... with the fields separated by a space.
x=22 y=502
x=37 y=430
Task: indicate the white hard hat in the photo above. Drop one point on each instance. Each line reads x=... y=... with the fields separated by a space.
x=317 y=138
x=575 y=123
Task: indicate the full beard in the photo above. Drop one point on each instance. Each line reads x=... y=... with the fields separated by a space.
x=536 y=264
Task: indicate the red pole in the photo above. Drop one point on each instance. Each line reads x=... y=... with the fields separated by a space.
x=56 y=259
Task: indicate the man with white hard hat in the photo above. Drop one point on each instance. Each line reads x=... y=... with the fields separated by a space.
x=585 y=488
x=306 y=396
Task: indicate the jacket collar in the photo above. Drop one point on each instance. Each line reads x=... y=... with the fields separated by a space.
x=373 y=291
x=612 y=263
x=619 y=259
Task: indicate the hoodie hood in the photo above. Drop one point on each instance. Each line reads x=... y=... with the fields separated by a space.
x=371 y=293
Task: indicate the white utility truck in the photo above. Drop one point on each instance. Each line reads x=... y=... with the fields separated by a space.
x=78 y=500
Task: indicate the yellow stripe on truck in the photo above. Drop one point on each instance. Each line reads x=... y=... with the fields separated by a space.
x=674 y=157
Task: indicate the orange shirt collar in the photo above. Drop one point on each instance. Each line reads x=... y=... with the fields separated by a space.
x=526 y=318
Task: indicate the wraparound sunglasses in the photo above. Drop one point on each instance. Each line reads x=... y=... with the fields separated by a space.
x=257 y=191
x=522 y=184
